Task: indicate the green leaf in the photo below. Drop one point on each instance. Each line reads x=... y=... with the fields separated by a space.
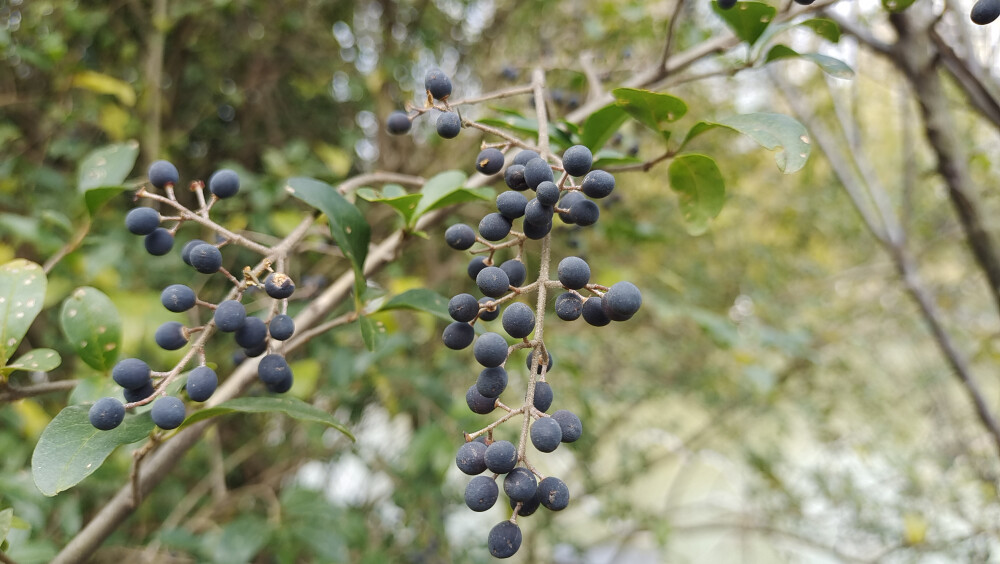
x=372 y=332
x=91 y=324
x=70 y=448
x=601 y=125
x=438 y=188
x=289 y=406
x=6 y=520
x=241 y=539
x=700 y=188
x=748 y=20
x=896 y=5
x=102 y=173
x=22 y=292
x=347 y=226
x=38 y=360
x=105 y=84
x=420 y=299
x=830 y=65
x=776 y=132
x=652 y=109
x=825 y=28
x=405 y=204
x=780 y=52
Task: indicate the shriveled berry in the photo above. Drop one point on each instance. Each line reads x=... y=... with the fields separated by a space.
x=279 y=285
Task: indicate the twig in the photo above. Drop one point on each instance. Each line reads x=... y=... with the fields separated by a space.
x=13 y=393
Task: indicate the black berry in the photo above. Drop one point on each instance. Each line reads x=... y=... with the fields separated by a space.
x=492 y=281
x=520 y=484
x=547 y=193
x=398 y=123
x=514 y=177
x=273 y=369
x=536 y=231
x=621 y=301
x=279 y=285
x=477 y=402
x=546 y=434
x=458 y=335
x=542 y=399
x=574 y=273
x=281 y=327
x=170 y=336
x=570 y=424
x=460 y=236
x=106 y=414
x=187 y=248
x=142 y=220
x=162 y=173
x=726 y=4
x=518 y=320
x=569 y=306
x=490 y=349
x=131 y=373
x=178 y=298
x=598 y=184
x=523 y=157
x=481 y=493
x=449 y=125
x=504 y=539
x=168 y=412
x=159 y=242
x=494 y=227
x=537 y=171
x=471 y=458
x=511 y=204
x=593 y=312
x=553 y=494
x=489 y=161
x=224 y=183
x=501 y=457
x=492 y=382
x=139 y=394
x=985 y=11
x=567 y=202
x=584 y=213
x=486 y=314
x=516 y=271
x=577 y=160
x=437 y=83
x=537 y=213
x=252 y=333
x=463 y=307
x=476 y=265
x=205 y=258
x=201 y=383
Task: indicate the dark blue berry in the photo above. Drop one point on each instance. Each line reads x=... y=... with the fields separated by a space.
x=168 y=412
x=537 y=213
x=201 y=383
x=170 y=336
x=494 y=227
x=528 y=508
x=726 y=4
x=501 y=457
x=437 y=83
x=574 y=273
x=542 y=399
x=205 y=258
x=593 y=312
x=584 y=213
x=537 y=171
x=398 y=123
x=490 y=349
x=511 y=204
x=489 y=161
x=547 y=193
x=548 y=366
x=567 y=202
x=463 y=307
x=476 y=265
x=471 y=458
x=162 y=173
x=577 y=160
x=569 y=306
x=458 y=335
x=252 y=333
x=504 y=539
x=224 y=183
x=142 y=220
x=621 y=301
x=273 y=369
x=131 y=373
x=492 y=281
x=486 y=314
x=460 y=236
x=492 y=382
x=230 y=315
x=281 y=327
x=546 y=434
x=516 y=271
x=279 y=285
x=536 y=231
x=159 y=242
x=518 y=320
x=523 y=157
x=598 y=184
x=478 y=403
x=256 y=350
x=139 y=394
x=520 y=484
x=570 y=424
x=282 y=385
x=186 y=250
x=449 y=125
x=481 y=494
x=106 y=414
x=178 y=298
x=514 y=177
x=553 y=494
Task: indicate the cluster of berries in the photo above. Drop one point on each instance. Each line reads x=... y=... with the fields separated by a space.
x=229 y=316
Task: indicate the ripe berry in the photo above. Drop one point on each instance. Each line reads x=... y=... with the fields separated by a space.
x=523 y=157
x=170 y=336
x=478 y=403
x=481 y=493
x=471 y=458
x=159 y=242
x=177 y=298
x=460 y=236
x=168 y=412
x=205 y=258
x=486 y=314
x=490 y=349
x=536 y=231
x=542 y=400
x=458 y=335
x=449 y=125
x=574 y=273
x=186 y=250
x=511 y=204
x=492 y=281
x=273 y=369
x=518 y=320
x=139 y=394
x=621 y=301
x=553 y=494
x=201 y=383
x=527 y=507
x=224 y=183
x=520 y=484
x=398 y=123
x=492 y=382
x=547 y=193
x=546 y=434
x=593 y=313
x=569 y=306
x=437 y=84
x=985 y=11
x=142 y=220
x=281 y=327
x=279 y=285
x=514 y=177
x=252 y=333
x=537 y=171
x=566 y=203
x=106 y=414
x=501 y=457
x=282 y=386
x=516 y=271
x=584 y=213
x=489 y=161
x=162 y=173
x=476 y=265
x=537 y=213
x=570 y=424
x=494 y=227
x=131 y=373
x=577 y=160
x=548 y=366
x=230 y=315
x=726 y=4
x=504 y=539
x=256 y=350
x=463 y=307
x=598 y=184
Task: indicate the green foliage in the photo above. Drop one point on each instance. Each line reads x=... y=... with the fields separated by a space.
x=748 y=20
x=92 y=326
x=22 y=293
x=701 y=189
x=830 y=65
x=776 y=132
x=103 y=172
x=291 y=407
x=652 y=109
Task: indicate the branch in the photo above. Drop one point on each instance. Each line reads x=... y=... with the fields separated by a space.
x=13 y=393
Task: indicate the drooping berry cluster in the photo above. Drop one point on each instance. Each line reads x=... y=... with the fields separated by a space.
x=538 y=190
x=252 y=334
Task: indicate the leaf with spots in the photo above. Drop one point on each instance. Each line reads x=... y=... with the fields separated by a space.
x=748 y=20
x=777 y=132
x=70 y=448
x=91 y=323
x=103 y=172
x=38 y=360
x=372 y=332
x=22 y=291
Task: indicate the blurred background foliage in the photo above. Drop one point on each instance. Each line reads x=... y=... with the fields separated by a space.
x=777 y=399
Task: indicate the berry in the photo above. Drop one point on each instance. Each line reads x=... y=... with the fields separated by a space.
x=279 y=285
x=142 y=220
x=460 y=236
x=224 y=183
x=490 y=349
x=567 y=203
x=584 y=213
x=476 y=265
x=281 y=327
x=201 y=383
x=574 y=273
x=494 y=227
x=177 y=298
x=593 y=312
x=570 y=424
x=577 y=160
x=501 y=457
x=159 y=242
x=514 y=177
x=504 y=539
x=437 y=84
x=621 y=301
x=478 y=403
x=463 y=307
x=598 y=184
x=481 y=493
x=523 y=157
x=488 y=314
x=546 y=434
x=548 y=366
x=537 y=231
x=281 y=387
x=106 y=414
x=516 y=271
x=726 y=4
x=569 y=306
x=458 y=335
x=131 y=373
x=511 y=204
x=804 y=2
x=188 y=247
x=398 y=123
x=493 y=281
x=520 y=484
x=492 y=382
x=449 y=125
x=170 y=336
x=168 y=412
x=547 y=193
x=553 y=494
x=162 y=173
x=537 y=213
x=489 y=161
x=518 y=320
x=205 y=258
x=537 y=171
x=985 y=11
x=252 y=333
x=230 y=315
x=273 y=369
x=256 y=350
x=471 y=458
x=542 y=400
x=139 y=394
x=527 y=507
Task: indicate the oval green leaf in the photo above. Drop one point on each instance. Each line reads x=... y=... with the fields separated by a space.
x=601 y=125
x=438 y=187
x=652 y=109
x=776 y=132
x=291 y=407
x=825 y=28
x=748 y=20
x=700 y=189
x=38 y=360
x=420 y=299
x=102 y=173
x=70 y=448
x=91 y=324
x=22 y=292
